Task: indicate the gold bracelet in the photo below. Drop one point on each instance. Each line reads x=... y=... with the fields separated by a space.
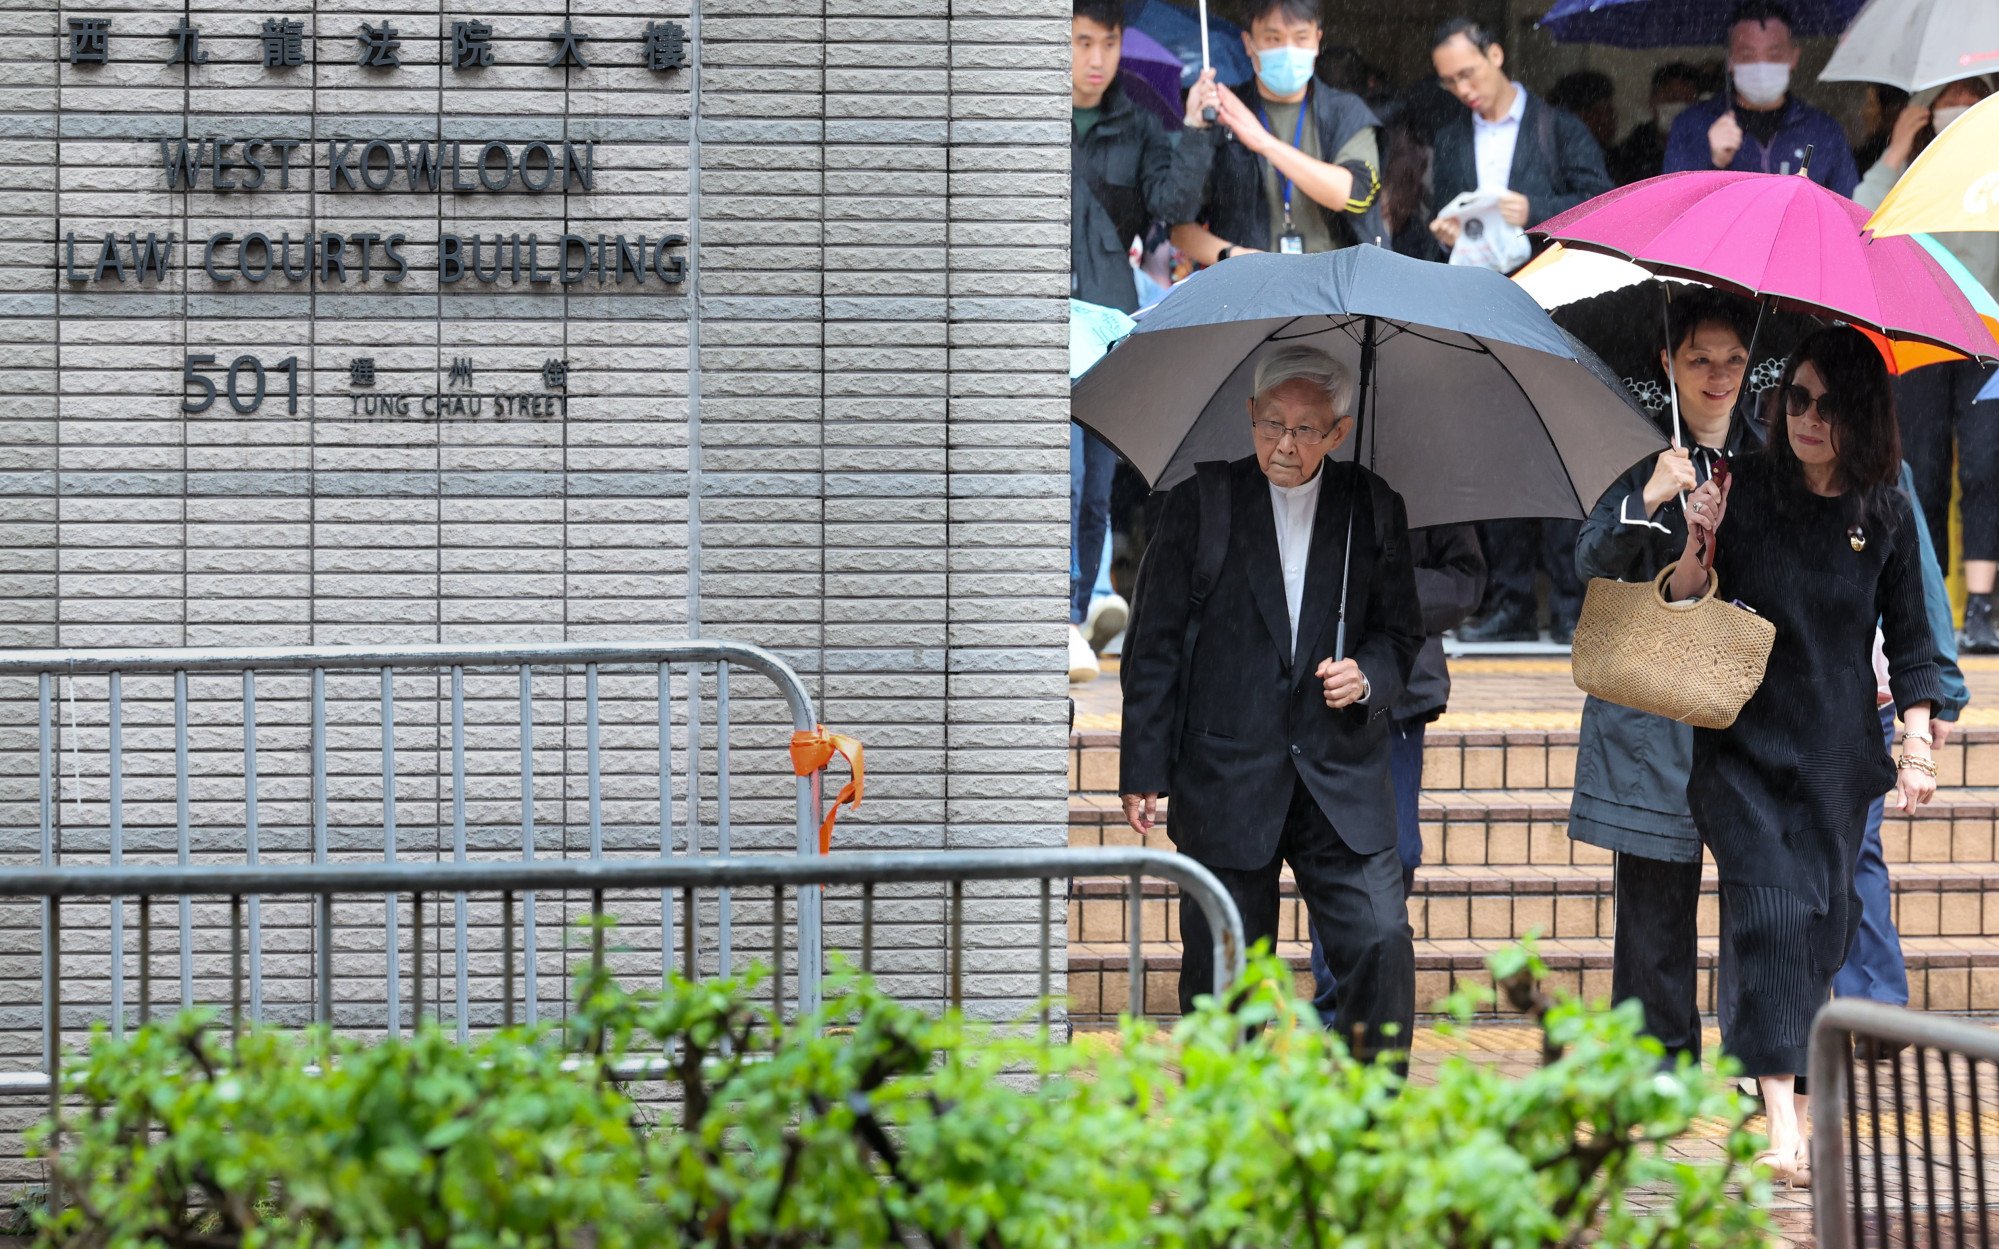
x=1927 y=767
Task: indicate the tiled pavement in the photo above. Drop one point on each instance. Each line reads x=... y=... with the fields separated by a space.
x=1516 y=1050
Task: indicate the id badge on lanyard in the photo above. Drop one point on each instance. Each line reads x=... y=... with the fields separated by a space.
x=1290 y=243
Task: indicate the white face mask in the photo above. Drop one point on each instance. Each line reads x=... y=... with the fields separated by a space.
x=1762 y=82
x=1941 y=118
x=1668 y=113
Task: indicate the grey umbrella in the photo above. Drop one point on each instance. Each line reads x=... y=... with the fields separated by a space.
x=1918 y=44
x=1474 y=405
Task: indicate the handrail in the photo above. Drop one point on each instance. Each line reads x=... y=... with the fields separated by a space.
x=101 y=660
x=1832 y=1032
x=708 y=872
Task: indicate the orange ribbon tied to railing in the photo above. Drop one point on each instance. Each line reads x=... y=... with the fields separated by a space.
x=811 y=752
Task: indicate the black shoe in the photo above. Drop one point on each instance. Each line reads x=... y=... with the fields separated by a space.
x=1501 y=626
x=1981 y=633
x=1561 y=632
x=1875 y=1050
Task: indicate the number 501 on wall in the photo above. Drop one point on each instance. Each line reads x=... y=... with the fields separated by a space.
x=234 y=383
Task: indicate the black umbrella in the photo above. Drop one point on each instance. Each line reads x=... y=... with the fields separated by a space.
x=1472 y=404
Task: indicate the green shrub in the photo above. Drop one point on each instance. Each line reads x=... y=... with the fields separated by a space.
x=877 y=1124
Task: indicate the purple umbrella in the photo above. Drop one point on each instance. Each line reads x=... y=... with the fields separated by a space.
x=1678 y=23
x=1180 y=32
x=1147 y=60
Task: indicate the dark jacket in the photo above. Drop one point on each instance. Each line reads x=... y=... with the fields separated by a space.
x=1802 y=126
x=1556 y=161
x=1641 y=154
x=1126 y=174
x=1630 y=793
x=1631 y=767
x=1253 y=714
x=1450 y=580
x=1236 y=208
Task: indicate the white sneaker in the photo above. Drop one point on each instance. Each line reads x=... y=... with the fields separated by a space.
x=1082 y=660
x=1107 y=619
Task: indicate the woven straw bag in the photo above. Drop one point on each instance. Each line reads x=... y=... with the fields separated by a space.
x=1694 y=662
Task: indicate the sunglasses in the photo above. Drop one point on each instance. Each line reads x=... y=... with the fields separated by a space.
x=1798 y=401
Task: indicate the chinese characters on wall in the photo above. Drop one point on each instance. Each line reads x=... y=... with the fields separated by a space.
x=662 y=46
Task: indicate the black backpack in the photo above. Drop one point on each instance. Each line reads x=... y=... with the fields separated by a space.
x=1211 y=550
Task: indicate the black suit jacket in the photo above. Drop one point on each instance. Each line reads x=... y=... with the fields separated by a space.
x=1255 y=716
x=1556 y=161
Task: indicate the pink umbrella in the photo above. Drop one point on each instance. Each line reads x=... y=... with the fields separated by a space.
x=1779 y=238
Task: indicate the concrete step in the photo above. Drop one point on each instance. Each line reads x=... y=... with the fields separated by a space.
x=1958 y=975
x=1455 y=759
x=1520 y=828
x=1482 y=903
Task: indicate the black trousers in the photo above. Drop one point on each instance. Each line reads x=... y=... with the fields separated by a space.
x=1938 y=418
x=1356 y=904
x=1516 y=552
x=1656 y=957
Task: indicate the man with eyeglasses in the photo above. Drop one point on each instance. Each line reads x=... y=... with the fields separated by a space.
x=1273 y=745
x=1540 y=161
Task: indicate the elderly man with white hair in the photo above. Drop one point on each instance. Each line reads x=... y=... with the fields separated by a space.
x=1273 y=749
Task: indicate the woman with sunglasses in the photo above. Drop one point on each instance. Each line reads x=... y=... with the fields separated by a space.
x=1630 y=793
x=1824 y=546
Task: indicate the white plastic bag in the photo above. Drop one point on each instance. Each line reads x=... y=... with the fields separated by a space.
x=1485 y=238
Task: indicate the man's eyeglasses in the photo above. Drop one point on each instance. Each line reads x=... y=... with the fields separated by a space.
x=1798 y=401
x=1303 y=435
x=1460 y=79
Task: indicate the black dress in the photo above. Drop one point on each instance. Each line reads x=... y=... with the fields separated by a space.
x=1781 y=796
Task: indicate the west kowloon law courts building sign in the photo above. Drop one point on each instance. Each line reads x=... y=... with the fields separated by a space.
x=347 y=285
x=336 y=200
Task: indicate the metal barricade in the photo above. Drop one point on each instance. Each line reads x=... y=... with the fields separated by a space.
x=310 y=772
x=841 y=879
x=1905 y=1128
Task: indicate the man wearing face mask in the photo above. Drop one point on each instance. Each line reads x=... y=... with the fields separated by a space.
x=1757 y=125
x=1642 y=153
x=1297 y=164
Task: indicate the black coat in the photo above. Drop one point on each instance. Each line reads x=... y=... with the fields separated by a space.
x=1630 y=792
x=1236 y=208
x=1450 y=581
x=1254 y=715
x=1556 y=161
x=1126 y=174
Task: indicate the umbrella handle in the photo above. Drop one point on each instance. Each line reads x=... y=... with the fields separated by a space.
x=1204 y=35
x=1207 y=114
x=1672 y=387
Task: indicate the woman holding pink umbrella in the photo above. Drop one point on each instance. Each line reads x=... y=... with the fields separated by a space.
x=1825 y=545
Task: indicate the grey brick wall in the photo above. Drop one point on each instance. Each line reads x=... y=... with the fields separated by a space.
x=864 y=472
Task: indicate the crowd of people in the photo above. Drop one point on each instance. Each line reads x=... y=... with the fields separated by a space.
x=1277 y=755
x=1155 y=199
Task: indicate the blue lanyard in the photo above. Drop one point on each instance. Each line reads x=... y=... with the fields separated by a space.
x=1297 y=141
